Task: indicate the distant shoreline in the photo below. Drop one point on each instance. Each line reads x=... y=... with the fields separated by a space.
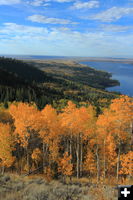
x=108 y=60
x=67 y=58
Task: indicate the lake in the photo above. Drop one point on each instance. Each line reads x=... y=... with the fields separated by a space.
x=120 y=71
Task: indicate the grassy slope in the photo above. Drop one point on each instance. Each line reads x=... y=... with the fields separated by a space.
x=13 y=187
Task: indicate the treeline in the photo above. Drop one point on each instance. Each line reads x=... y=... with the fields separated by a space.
x=71 y=142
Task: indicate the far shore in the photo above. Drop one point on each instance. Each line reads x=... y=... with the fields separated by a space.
x=70 y=59
x=77 y=60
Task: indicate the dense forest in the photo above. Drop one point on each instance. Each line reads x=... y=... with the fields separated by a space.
x=54 y=83
x=72 y=142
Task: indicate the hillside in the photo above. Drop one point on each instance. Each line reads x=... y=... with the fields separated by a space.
x=73 y=71
x=52 y=82
x=22 y=82
x=22 y=70
x=10 y=79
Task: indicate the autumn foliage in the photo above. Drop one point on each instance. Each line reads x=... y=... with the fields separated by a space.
x=6 y=146
x=65 y=165
x=71 y=142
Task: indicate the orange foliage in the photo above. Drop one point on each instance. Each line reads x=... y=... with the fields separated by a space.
x=90 y=164
x=65 y=166
x=93 y=144
x=78 y=120
x=23 y=115
x=49 y=129
x=6 y=146
x=36 y=155
x=127 y=163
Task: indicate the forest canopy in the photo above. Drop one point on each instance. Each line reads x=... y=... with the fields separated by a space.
x=72 y=142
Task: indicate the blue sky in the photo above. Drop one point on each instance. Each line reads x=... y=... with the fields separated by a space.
x=101 y=28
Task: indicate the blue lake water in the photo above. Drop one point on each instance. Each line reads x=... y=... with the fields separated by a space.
x=120 y=71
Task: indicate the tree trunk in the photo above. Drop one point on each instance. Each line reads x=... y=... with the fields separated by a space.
x=70 y=147
x=104 y=160
x=28 y=160
x=3 y=170
x=81 y=157
x=77 y=154
x=98 y=166
x=67 y=145
x=118 y=163
x=43 y=155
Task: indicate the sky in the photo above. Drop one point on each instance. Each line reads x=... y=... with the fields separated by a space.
x=94 y=28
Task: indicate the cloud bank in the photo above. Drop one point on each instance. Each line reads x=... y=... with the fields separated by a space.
x=45 y=20
x=9 y=2
x=85 y=5
x=112 y=14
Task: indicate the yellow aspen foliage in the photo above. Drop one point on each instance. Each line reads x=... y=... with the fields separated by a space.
x=104 y=124
x=90 y=164
x=94 y=145
x=84 y=121
x=65 y=165
x=127 y=163
x=50 y=130
x=23 y=115
x=78 y=120
x=36 y=155
x=110 y=152
x=124 y=107
x=69 y=108
x=6 y=146
x=78 y=125
x=122 y=116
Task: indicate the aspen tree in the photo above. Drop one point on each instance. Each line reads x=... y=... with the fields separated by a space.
x=65 y=166
x=6 y=146
x=23 y=115
x=126 y=161
x=122 y=115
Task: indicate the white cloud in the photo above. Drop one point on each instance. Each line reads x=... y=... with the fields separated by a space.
x=46 y=20
x=63 y=1
x=39 y=3
x=13 y=30
x=63 y=29
x=87 y=4
x=21 y=39
x=9 y=2
x=116 y=28
x=46 y=2
x=112 y=14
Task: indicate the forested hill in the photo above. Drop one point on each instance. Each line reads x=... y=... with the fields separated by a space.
x=21 y=81
x=73 y=71
x=23 y=70
x=9 y=79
